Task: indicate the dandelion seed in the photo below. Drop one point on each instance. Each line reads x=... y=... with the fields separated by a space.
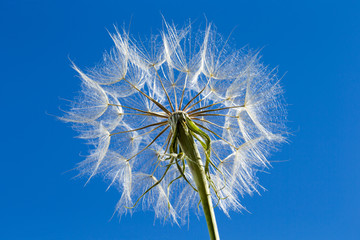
x=185 y=122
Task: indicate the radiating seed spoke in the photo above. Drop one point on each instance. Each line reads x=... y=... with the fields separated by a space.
x=150 y=98
x=137 y=129
x=139 y=110
x=213 y=114
x=163 y=87
x=214 y=110
x=152 y=130
x=183 y=92
x=198 y=109
x=196 y=95
x=167 y=142
x=154 y=185
x=147 y=96
x=149 y=143
x=175 y=96
x=204 y=120
x=142 y=114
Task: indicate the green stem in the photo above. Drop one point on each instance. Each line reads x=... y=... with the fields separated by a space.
x=197 y=169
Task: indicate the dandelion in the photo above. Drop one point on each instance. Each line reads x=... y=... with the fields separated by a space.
x=178 y=121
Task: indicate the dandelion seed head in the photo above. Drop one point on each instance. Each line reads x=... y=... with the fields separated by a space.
x=130 y=104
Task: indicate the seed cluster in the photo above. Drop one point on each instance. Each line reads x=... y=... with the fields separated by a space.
x=130 y=105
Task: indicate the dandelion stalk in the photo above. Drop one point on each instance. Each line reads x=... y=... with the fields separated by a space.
x=188 y=146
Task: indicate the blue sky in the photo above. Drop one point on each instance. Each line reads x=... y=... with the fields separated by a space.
x=313 y=189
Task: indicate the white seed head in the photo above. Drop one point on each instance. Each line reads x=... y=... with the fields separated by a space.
x=129 y=105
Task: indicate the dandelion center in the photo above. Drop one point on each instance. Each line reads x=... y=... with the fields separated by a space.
x=177 y=116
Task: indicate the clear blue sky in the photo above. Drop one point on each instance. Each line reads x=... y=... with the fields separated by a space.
x=313 y=194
